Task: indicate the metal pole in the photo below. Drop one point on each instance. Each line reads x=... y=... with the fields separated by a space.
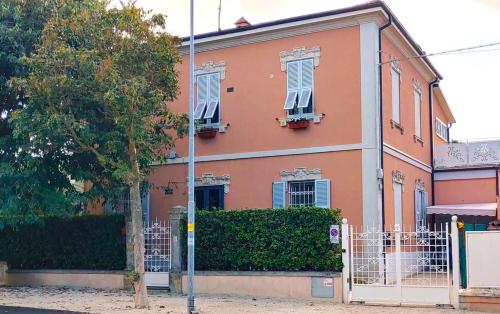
x=190 y=302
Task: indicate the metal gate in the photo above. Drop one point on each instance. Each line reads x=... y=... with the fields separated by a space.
x=398 y=266
x=157 y=253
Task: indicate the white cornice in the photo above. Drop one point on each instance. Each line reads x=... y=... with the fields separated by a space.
x=287 y=30
x=406 y=158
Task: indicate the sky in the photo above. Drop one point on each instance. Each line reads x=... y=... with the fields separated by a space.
x=471 y=80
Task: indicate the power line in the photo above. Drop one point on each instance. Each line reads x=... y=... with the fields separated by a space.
x=452 y=52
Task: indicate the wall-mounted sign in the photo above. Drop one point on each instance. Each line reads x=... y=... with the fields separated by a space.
x=334 y=234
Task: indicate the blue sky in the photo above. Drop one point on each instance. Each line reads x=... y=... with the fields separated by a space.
x=471 y=80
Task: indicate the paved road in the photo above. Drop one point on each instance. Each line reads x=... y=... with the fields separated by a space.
x=29 y=310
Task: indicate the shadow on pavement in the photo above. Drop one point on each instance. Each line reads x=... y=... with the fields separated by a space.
x=29 y=310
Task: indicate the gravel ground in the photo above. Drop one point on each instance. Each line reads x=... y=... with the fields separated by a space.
x=99 y=301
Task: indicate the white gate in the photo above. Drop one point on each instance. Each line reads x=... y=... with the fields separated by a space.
x=398 y=266
x=157 y=253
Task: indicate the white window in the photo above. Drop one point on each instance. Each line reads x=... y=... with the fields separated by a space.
x=299 y=98
x=418 y=113
x=398 y=202
x=207 y=110
x=396 y=81
x=302 y=193
x=441 y=130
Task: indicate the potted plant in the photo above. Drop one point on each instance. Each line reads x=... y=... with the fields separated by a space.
x=298 y=123
x=206 y=131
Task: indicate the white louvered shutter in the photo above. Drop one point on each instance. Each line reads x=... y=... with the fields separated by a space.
x=202 y=95
x=418 y=208
x=425 y=203
x=293 y=75
x=279 y=194
x=395 y=95
x=214 y=95
x=322 y=193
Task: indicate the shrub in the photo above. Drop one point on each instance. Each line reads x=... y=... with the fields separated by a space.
x=86 y=242
x=295 y=239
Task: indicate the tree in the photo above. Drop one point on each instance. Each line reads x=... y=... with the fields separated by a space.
x=99 y=82
x=32 y=183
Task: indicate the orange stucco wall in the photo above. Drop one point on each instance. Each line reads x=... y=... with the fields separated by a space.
x=404 y=141
x=411 y=174
x=254 y=71
x=466 y=191
x=251 y=181
x=438 y=113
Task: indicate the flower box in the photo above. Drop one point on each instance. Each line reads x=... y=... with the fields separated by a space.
x=299 y=124
x=207 y=133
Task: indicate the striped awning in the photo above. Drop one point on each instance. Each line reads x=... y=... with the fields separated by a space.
x=479 y=209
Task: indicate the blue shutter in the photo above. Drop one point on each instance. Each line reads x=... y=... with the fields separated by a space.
x=425 y=203
x=145 y=204
x=322 y=193
x=279 y=194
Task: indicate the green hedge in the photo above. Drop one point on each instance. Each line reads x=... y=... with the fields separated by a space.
x=86 y=242
x=294 y=239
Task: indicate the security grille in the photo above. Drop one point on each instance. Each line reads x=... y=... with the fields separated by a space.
x=157 y=252
x=301 y=193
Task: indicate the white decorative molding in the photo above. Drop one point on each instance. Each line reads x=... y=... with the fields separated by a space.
x=300 y=174
x=398 y=177
x=420 y=184
x=406 y=158
x=211 y=67
x=210 y=179
x=395 y=64
x=223 y=127
x=298 y=54
x=314 y=118
x=417 y=86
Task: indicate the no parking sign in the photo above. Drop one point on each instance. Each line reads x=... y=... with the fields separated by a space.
x=334 y=234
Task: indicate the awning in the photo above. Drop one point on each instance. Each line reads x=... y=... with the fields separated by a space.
x=480 y=209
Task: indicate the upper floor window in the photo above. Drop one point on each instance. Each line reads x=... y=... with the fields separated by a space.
x=207 y=111
x=396 y=85
x=441 y=130
x=299 y=99
x=418 y=113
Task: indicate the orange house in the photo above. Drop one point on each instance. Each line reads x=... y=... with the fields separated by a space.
x=335 y=109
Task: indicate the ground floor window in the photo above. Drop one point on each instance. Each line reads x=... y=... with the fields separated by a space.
x=421 y=203
x=209 y=197
x=301 y=193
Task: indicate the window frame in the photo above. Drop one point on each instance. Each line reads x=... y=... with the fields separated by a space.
x=444 y=127
x=207 y=122
x=300 y=90
x=418 y=95
x=206 y=197
x=311 y=196
x=397 y=72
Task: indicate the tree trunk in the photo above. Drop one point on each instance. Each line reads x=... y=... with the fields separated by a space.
x=129 y=238
x=141 y=293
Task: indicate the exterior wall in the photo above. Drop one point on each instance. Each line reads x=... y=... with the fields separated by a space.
x=404 y=140
x=251 y=181
x=469 y=191
x=411 y=174
x=254 y=71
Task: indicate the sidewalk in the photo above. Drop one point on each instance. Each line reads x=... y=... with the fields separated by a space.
x=98 y=301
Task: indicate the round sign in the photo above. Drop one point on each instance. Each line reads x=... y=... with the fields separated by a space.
x=334 y=232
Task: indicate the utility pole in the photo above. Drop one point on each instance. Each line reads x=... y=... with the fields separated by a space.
x=190 y=301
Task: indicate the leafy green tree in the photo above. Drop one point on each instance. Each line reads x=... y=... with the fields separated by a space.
x=98 y=84
x=32 y=182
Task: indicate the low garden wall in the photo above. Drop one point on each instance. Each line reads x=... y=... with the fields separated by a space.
x=294 y=285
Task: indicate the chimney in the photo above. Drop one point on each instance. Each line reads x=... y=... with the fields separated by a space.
x=242 y=23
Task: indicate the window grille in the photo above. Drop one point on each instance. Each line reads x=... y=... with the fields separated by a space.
x=301 y=193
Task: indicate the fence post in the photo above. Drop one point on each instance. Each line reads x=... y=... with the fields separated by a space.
x=397 y=239
x=176 y=249
x=345 y=261
x=455 y=263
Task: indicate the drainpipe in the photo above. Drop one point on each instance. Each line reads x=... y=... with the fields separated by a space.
x=381 y=114
x=432 y=84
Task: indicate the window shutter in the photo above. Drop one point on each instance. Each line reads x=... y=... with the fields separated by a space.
x=418 y=114
x=418 y=208
x=395 y=95
x=293 y=75
x=425 y=203
x=322 y=193
x=214 y=93
x=307 y=73
x=145 y=204
x=202 y=95
x=279 y=194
